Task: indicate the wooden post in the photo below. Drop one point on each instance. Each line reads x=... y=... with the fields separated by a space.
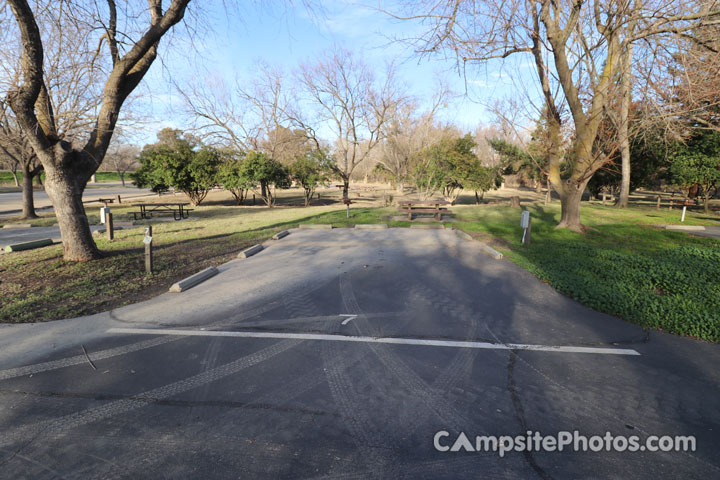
x=658 y=203
x=671 y=204
x=109 y=225
x=527 y=235
x=253 y=199
x=148 y=249
x=119 y=200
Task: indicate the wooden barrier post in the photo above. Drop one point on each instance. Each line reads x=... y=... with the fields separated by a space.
x=148 y=249
x=109 y=225
x=119 y=200
x=658 y=203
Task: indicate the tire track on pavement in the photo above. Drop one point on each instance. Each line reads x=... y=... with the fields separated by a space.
x=74 y=420
x=428 y=396
x=118 y=351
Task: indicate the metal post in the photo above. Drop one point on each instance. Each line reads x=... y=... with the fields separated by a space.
x=148 y=249
x=109 y=225
x=682 y=219
x=525 y=223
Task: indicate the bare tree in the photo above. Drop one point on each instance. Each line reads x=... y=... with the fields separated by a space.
x=407 y=132
x=247 y=115
x=122 y=158
x=576 y=47
x=342 y=95
x=684 y=80
x=18 y=154
x=70 y=162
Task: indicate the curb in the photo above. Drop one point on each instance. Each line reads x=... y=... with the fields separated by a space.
x=463 y=235
x=315 y=226
x=687 y=228
x=491 y=251
x=280 y=235
x=428 y=227
x=193 y=280
x=485 y=248
x=371 y=226
x=11 y=226
x=250 y=251
x=16 y=247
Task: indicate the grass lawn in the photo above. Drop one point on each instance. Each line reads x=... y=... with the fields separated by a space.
x=6 y=177
x=623 y=266
x=659 y=279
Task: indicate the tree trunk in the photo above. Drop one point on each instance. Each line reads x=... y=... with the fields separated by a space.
x=570 y=198
x=346 y=188
x=477 y=199
x=400 y=187
x=15 y=177
x=28 y=204
x=623 y=131
x=39 y=179
x=66 y=195
x=122 y=178
x=548 y=194
x=263 y=192
x=707 y=201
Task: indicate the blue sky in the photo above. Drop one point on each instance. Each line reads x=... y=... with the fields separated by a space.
x=285 y=36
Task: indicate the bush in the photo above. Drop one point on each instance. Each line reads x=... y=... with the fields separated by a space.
x=178 y=162
x=309 y=171
x=231 y=177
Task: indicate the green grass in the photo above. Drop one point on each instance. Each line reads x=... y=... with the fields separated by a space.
x=38 y=285
x=623 y=266
x=656 y=278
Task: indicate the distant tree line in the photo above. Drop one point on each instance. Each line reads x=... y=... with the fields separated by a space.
x=182 y=162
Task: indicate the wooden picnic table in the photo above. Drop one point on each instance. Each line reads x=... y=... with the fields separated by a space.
x=106 y=201
x=423 y=206
x=177 y=210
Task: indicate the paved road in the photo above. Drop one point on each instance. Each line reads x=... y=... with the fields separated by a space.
x=10 y=236
x=12 y=202
x=707 y=231
x=335 y=354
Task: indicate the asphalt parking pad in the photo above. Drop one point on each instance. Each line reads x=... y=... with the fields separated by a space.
x=343 y=353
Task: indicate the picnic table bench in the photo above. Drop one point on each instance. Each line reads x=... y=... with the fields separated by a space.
x=114 y=199
x=147 y=210
x=423 y=206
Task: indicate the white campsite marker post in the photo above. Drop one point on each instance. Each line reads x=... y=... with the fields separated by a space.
x=526 y=224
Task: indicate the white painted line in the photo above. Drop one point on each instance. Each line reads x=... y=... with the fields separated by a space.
x=349 y=317
x=386 y=340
